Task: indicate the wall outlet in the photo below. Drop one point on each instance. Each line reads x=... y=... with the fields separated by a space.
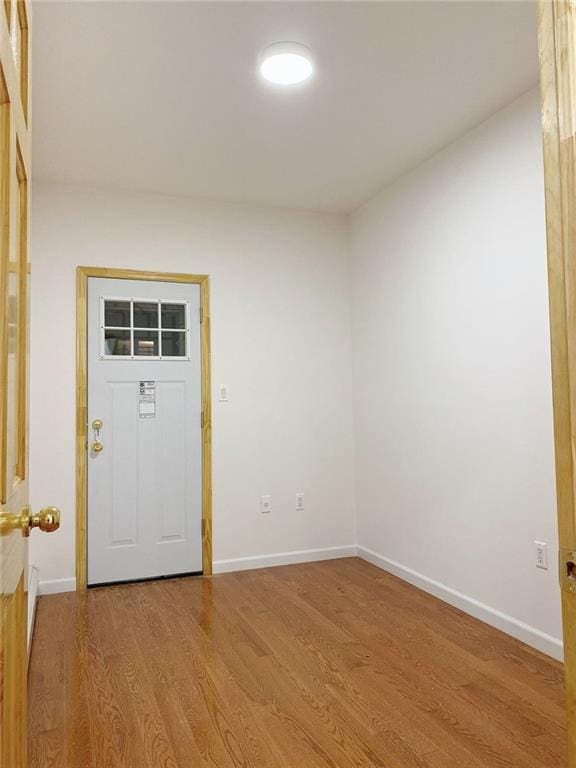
x=541 y=555
x=299 y=501
x=265 y=504
x=223 y=393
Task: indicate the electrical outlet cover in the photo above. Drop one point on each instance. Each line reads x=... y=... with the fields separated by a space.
x=541 y=555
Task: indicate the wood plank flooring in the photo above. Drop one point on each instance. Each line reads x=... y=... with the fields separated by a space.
x=335 y=664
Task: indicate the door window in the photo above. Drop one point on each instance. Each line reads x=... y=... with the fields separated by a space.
x=137 y=328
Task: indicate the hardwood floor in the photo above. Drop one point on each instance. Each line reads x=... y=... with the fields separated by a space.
x=325 y=664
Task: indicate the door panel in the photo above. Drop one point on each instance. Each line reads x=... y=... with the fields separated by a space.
x=172 y=461
x=13 y=394
x=557 y=44
x=144 y=384
x=15 y=517
x=121 y=497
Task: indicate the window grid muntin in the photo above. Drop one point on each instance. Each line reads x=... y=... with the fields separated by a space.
x=133 y=300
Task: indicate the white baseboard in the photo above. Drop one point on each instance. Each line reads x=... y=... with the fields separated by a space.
x=33 y=584
x=54 y=586
x=283 y=558
x=549 y=645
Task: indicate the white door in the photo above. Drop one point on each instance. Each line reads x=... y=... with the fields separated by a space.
x=144 y=460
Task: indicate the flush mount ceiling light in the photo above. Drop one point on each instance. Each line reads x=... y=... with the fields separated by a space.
x=286 y=63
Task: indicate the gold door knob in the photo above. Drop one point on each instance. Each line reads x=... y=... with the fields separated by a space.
x=97 y=446
x=48 y=520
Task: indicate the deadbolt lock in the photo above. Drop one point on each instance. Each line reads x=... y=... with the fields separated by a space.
x=568 y=569
x=97 y=425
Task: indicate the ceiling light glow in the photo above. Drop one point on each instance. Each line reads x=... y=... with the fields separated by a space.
x=286 y=63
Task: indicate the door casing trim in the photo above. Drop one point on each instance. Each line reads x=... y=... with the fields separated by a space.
x=557 y=47
x=82 y=276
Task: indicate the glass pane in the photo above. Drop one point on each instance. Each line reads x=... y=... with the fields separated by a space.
x=15 y=33
x=173 y=316
x=117 y=313
x=22 y=351
x=173 y=344
x=146 y=343
x=12 y=373
x=116 y=342
x=145 y=314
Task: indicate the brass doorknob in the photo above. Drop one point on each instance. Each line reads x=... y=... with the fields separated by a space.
x=97 y=446
x=48 y=520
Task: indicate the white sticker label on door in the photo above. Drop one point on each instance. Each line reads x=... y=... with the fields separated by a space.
x=147 y=401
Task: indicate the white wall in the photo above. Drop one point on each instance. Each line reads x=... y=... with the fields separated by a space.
x=454 y=444
x=280 y=340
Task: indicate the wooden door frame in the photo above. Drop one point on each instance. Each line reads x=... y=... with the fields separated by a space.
x=82 y=276
x=557 y=46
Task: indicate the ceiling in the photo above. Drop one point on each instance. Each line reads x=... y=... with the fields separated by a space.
x=166 y=97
